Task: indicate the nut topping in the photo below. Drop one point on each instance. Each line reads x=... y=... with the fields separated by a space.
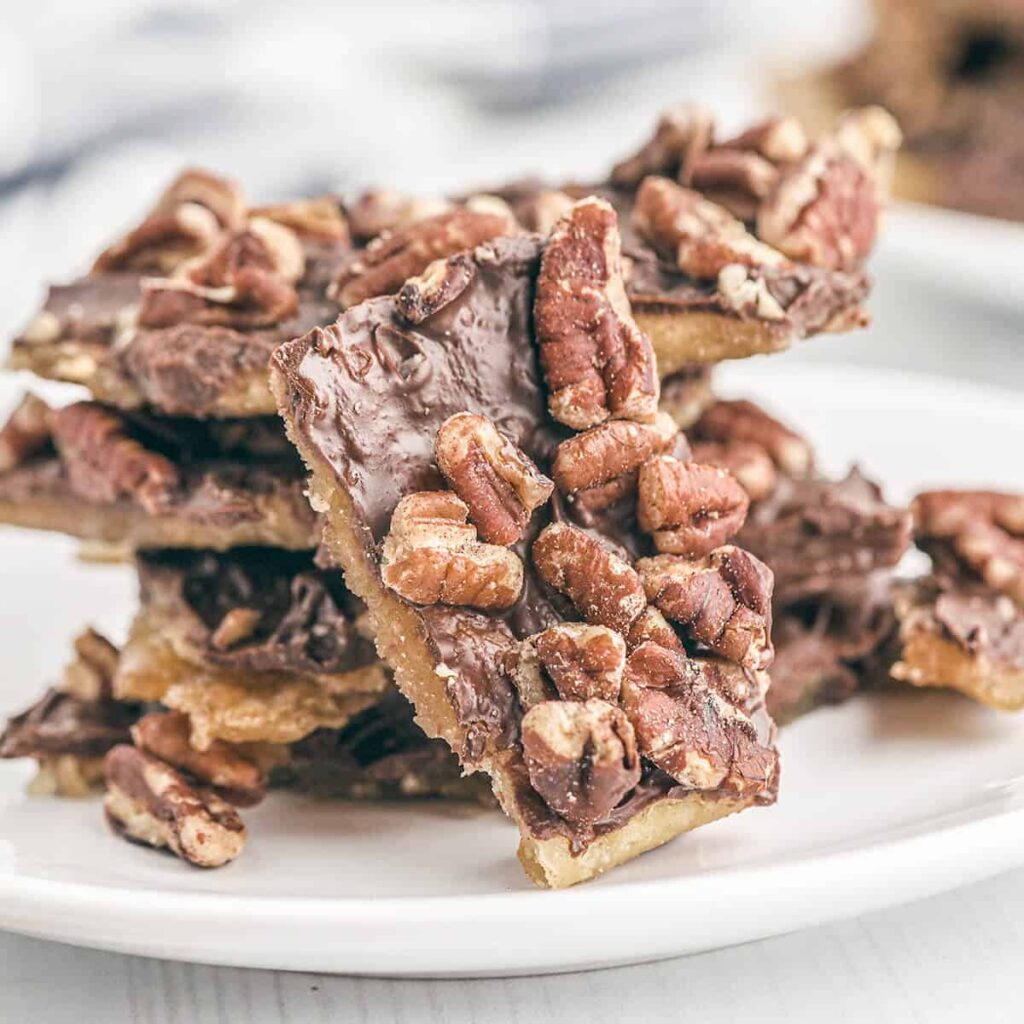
x=605 y=590
x=779 y=139
x=682 y=134
x=223 y=197
x=597 y=363
x=651 y=625
x=90 y=677
x=723 y=601
x=581 y=757
x=382 y=210
x=748 y=462
x=237 y=625
x=102 y=460
x=391 y=259
x=734 y=178
x=150 y=802
x=165 y=735
x=582 y=661
x=440 y=284
x=26 y=432
x=246 y=281
x=496 y=479
x=730 y=421
x=319 y=219
x=432 y=555
x=700 y=236
x=540 y=213
x=825 y=211
x=609 y=452
x=689 y=509
x=689 y=730
x=983 y=529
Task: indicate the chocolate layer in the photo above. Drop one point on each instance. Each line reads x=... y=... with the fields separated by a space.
x=298 y=619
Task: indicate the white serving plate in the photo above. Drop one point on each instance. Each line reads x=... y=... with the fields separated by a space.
x=883 y=800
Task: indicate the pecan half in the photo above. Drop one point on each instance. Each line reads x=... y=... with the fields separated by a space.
x=983 y=530
x=152 y=803
x=729 y=421
x=688 y=729
x=161 y=242
x=605 y=590
x=26 y=432
x=681 y=135
x=723 y=601
x=319 y=219
x=597 y=363
x=582 y=661
x=700 y=236
x=104 y=463
x=748 y=462
x=440 y=284
x=495 y=478
x=432 y=555
x=689 y=509
x=581 y=757
x=779 y=139
x=246 y=281
x=734 y=178
x=391 y=259
x=824 y=211
x=165 y=735
x=381 y=210
x=90 y=676
x=610 y=452
x=651 y=625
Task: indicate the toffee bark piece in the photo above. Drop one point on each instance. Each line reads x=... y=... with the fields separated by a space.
x=230 y=290
x=363 y=401
x=70 y=728
x=963 y=636
x=144 y=481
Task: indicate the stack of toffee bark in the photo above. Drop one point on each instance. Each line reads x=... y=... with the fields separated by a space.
x=562 y=567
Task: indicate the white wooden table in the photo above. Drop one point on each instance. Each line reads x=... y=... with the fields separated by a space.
x=954 y=958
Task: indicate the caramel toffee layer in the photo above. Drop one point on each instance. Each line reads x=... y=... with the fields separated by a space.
x=86 y=333
x=368 y=395
x=256 y=609
x=153 y=480
x=814 y=532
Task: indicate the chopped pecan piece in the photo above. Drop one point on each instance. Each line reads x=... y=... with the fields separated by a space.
x=319 y=219
x=729 y=421
x=701 y=237
x=689 y=509
x=103 y=462
x=651 y=625
x=496 y=479
x=90 y=676
x=688 y=729
x=983 y=530
x=544 y=210
x=724 y=601
x=246 y=281
x=223 y=197
x=237 y=625
x=581 y=757
x=165 y=734
x=779 y=139
x=824 y=211
x=604 y=588
x=734 y=178
x=150 y=802
x=440 y=284
x=597 y=363
x=681 y=135
x=382 y=210
x=26 y=432
x=871 y=136
x=583 y=661
x=432 y=555
x=748 y=462
x=391 y=259
x=609 y=452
